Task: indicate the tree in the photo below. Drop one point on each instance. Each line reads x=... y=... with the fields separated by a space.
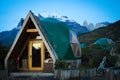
x=3 y=52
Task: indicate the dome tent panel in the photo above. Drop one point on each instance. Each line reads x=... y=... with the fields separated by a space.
x=75 y=44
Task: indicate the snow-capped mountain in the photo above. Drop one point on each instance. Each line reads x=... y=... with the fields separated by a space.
x=102 y=24
x=76 y=27
x=73 y=25
x=56 y=16
x=91 y=26
x=20 y=23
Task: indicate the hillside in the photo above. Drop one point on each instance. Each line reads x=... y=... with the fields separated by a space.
x=112 y=31
x=7 y=37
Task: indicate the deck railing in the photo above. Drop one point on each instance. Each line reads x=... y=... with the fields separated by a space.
x=66 y=74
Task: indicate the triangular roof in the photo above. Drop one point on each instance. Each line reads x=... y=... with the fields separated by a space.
x=55 y=35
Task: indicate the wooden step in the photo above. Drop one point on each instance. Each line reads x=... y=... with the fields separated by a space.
x=27 y=74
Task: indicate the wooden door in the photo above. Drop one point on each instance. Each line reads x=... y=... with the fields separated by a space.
x=36 y=55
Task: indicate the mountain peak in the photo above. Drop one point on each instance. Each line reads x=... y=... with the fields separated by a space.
x=89 y=26
x=85 y=23
x=40 y=16
x=20 y=23
x=102 y=24
x=56 y=16
x=72 y=25
x=112 y=32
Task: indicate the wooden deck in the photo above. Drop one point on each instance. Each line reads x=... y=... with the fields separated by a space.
x=22 y=74
x=31 y=78
x=4 y=75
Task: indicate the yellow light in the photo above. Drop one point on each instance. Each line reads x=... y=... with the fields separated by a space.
x=37 y=45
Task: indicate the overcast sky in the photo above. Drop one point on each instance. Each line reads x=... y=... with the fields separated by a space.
x=79 y=10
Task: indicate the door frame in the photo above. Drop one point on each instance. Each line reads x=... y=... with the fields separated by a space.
x=30 y=54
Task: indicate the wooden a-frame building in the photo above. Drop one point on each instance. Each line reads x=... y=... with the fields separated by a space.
x=39 y=43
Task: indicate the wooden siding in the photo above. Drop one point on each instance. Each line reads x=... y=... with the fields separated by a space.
x=48 y=67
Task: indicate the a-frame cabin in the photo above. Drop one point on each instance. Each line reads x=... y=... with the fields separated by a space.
x=39 y=43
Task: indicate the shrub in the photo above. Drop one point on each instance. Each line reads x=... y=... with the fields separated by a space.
x=111 y=60
x=61 y=64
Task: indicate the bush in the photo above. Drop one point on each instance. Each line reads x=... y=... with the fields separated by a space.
x=111 y=60
x=93 y=55
x=61 y=64
x=85 y=51
x=3 y=53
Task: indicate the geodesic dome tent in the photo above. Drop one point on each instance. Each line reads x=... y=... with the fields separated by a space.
x=63 y=40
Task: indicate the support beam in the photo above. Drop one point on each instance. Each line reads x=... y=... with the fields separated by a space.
x=31 y=30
